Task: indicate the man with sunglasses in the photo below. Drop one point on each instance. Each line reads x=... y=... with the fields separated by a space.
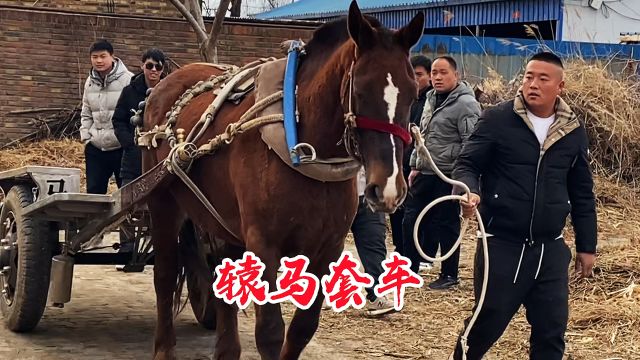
x=153 y=64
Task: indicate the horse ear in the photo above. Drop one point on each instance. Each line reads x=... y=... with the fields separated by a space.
x=359 y=28
x=411 y=33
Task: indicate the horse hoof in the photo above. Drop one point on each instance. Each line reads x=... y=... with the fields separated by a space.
x=165 y=355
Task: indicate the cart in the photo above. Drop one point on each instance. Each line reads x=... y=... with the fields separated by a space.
x=46 y=224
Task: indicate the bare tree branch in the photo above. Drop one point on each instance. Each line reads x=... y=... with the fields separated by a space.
x=194 y=8
x=217 y=26
x=200 y=30
x=190 y=10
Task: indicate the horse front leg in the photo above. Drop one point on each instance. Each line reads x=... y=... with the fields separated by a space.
x=227 y=345
x=305 y=322
x=269 y=330
x=165 y=227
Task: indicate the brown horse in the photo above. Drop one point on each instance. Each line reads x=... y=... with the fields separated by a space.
x=274 y=210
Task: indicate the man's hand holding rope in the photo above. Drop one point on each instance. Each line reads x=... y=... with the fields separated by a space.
x=469 y=206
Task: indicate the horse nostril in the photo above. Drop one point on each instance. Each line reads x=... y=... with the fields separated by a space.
x=373 y=193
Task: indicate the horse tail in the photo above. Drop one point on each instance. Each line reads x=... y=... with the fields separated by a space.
x=192 y=268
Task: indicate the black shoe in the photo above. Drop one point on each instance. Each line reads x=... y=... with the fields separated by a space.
x=444 y=282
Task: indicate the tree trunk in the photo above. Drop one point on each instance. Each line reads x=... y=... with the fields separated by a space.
x=191 y=11
x=235 y=8
x=208 y=49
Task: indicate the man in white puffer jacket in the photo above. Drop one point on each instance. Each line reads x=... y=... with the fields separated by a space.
x=102 y=89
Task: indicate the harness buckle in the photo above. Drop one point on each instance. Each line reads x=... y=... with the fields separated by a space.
x=304 y=156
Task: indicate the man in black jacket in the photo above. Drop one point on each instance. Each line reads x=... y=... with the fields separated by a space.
x=531 y=155
x=422 y=71
x=153 y=62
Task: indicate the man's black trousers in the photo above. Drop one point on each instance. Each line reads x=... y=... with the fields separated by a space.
x=441 y=225
x=369 y=233
x=545 y=298
x=100 y=166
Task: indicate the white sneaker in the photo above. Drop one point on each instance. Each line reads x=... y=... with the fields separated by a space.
x=425 y=267
x=380 y=306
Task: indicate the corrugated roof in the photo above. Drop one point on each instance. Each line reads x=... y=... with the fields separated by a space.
x=305 y=8
x=475 y=13
x=439 y=13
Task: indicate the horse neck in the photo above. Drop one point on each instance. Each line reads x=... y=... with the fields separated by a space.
x=320 y=100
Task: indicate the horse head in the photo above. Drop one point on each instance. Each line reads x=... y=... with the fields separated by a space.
x=377 y=94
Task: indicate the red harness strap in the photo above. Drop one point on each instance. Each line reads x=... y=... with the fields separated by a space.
x=364 y=122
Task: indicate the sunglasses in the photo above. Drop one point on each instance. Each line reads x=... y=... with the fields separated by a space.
x=150 y=66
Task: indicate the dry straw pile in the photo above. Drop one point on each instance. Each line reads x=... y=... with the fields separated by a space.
x=63 y=153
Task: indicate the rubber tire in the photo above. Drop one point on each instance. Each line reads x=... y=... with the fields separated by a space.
x=34 y=264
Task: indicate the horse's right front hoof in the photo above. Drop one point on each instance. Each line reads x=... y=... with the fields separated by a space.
x=165 y=355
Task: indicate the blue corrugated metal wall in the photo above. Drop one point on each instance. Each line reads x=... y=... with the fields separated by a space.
x=507 y=56
x=523 y=47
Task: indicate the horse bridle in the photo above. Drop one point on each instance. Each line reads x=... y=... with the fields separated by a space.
x=353 y=121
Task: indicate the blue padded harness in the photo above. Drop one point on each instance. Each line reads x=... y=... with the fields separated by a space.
x=289 y=101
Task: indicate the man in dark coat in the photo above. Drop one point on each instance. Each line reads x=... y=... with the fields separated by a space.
x=528 y=161
x=422 y=71
x=153 y=63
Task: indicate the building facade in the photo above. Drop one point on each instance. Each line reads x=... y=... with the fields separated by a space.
x=592 y=21
x=600 y=22
x=498 y=35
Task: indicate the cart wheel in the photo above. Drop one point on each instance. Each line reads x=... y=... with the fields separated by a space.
x=203 y=307
x=25 y=262
x=200 y=291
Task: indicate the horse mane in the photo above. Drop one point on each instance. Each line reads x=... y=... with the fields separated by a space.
x=331 y=35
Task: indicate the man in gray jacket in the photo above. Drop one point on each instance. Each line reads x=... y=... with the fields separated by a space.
x=102 y=89
x=449 y=116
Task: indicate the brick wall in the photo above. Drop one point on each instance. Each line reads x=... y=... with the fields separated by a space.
x=121 y=7
x=45 y=58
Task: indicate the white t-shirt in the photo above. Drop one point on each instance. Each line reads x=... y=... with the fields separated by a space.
x=541 y=125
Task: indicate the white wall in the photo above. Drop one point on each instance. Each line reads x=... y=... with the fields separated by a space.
x=584 y=24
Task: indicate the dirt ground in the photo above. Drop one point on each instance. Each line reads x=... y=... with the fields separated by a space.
x=112 y=316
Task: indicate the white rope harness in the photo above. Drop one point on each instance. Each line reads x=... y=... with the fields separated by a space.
x=423 y=152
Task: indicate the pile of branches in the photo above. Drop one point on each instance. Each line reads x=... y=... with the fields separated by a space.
x=48 y=124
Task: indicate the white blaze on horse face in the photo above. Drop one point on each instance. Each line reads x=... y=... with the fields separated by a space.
x=391 y=93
